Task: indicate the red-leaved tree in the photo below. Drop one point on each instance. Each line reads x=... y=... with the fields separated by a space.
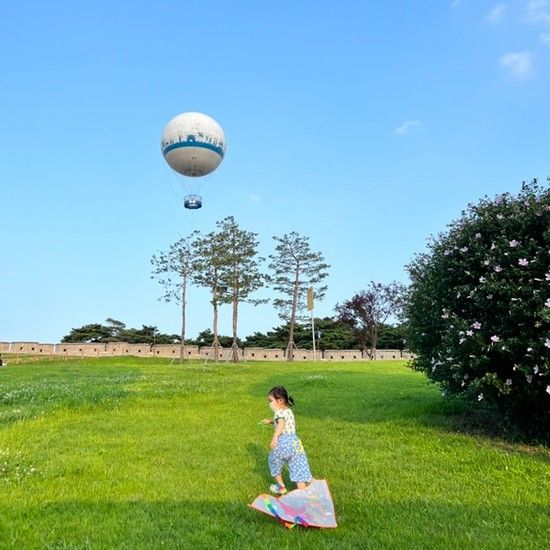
x=367 y=310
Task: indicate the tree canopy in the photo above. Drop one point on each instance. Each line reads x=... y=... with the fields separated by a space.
x=479 y=305
x=116 y=331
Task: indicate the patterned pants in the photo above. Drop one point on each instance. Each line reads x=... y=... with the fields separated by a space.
x=290 y=451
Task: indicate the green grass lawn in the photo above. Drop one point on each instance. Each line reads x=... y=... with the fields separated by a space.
x=137 y=453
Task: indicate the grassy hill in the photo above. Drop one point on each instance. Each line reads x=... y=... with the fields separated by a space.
x=138 y=453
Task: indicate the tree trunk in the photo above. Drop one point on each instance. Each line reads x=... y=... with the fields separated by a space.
x=216 y=342
x=373 y=341
x=183 y=305
x=291 y=345
x=234 y=346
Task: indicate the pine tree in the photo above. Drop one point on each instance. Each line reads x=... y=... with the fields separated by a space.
x=295 y=267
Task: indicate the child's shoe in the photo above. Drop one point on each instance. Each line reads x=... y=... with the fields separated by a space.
x=278 y=489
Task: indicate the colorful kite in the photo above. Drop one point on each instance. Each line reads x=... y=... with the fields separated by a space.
x=309 y=507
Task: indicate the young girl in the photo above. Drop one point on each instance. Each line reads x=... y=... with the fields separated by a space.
x=286 y=447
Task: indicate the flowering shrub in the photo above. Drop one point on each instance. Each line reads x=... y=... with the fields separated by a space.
x=479 y=305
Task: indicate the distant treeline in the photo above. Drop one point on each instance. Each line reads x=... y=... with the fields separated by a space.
x=330 y=334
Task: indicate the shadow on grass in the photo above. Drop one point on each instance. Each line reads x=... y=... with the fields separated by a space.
x=259 y=454
x=412 y=523
x=353 y=396
x=459 y=415
x=368 y=397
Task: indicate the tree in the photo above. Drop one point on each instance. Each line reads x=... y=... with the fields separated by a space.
x=333 y=334
x=479 y=306
x=330 y=333
x=392 y=336
x=116 y=331
x=367 y=310
x=240 y=271
x=94 y=332
x=117 y=328
x=208 y=261
x=172 y=269
x=206 y=338
x=295 y=267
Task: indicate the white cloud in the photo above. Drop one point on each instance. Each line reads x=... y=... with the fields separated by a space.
x=406 y=127
x=545 y=38
x=538 y=11
x=496 y=14
x=520 y=64
x=253 y=198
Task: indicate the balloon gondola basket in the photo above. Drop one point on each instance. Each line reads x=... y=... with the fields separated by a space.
x=192 y=202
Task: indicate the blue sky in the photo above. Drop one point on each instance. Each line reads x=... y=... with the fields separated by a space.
x=367 y=126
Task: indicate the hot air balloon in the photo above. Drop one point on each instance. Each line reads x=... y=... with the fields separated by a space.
x=193 y=145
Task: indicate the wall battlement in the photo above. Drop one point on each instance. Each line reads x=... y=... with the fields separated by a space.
x=113 y=349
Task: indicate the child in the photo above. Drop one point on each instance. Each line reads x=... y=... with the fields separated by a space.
x=286 y=447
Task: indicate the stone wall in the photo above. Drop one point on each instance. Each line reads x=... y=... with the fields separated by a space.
x=191 y=352
x=393 y=354
x=263 y=354
x=4 y=346
x=224 y=354
x=171 y=350
x=33 y=348
x=304 y=355
x=343 y=355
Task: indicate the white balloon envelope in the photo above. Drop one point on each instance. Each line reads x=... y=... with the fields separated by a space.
x=193 y=144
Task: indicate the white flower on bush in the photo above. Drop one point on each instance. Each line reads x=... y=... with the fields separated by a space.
x=547 y=276
x=482 y=279
x=500 y=216
x=498 y=269
x=508 y=382
x=476 y=325
x=480 y=396
x=462 y=340
x=513 y=243
x=529 y=378
x=486 y=262
x=523 y=261
x=547 y=342
x=536 y=369
x=547 y=303
x=547 y=389
x=495 y=338
x=478 y=235
x=469 y=333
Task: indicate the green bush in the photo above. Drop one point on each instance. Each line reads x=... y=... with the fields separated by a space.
x=479 y=306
